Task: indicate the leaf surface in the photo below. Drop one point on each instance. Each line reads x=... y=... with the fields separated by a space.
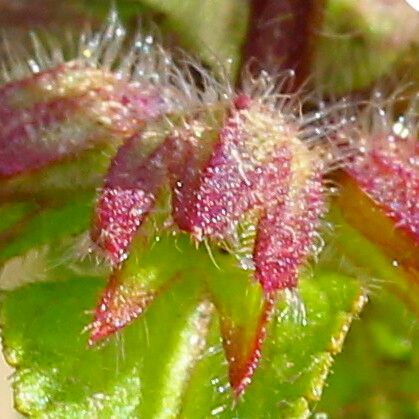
x=169 y=361
x=384 y=348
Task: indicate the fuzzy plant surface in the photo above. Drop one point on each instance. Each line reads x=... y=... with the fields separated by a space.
x=192 y=234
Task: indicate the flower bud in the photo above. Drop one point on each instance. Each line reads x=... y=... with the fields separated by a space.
x=240 y=180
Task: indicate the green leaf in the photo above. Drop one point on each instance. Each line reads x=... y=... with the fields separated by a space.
x=59 y=376
x=160 y=365
x=369 y=261
x=39 y=241
x=384 y=347
x=296 y=356
x=43 y=225
x=367 y=41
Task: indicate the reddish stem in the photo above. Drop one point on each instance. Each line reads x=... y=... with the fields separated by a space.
x=281 y=36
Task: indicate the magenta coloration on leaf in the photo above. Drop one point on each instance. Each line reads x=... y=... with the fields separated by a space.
x=119 y=305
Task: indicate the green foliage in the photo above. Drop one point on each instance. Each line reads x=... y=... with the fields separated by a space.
x=367 y=41
x=380 y=362
x=165 y=364
x=170 y=361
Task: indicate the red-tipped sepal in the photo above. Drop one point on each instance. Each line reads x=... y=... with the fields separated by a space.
x=242 y=343
x=153 y=264
x=379 y=184
x=243 y=310
x=121 y=302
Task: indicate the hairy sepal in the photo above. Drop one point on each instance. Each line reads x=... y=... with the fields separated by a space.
x=388 y=172
x=380 y=182
x=66 y=120
x=286 y=236
x=143 y=167
x=129 y=193
x=257 y=164
x=152 y=266
x=372 y=220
